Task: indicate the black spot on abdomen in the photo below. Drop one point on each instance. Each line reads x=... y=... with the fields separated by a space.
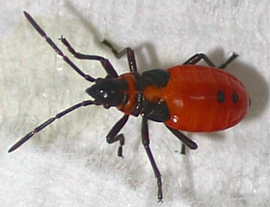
x=220 y=96
x=235 y=97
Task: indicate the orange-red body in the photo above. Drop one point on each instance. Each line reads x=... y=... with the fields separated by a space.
x=191 y=97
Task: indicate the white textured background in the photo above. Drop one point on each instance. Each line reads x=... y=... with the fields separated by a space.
x=70 y=163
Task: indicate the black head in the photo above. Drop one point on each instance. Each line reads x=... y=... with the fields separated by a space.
x=107 y=91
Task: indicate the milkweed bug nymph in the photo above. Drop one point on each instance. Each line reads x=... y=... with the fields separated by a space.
x=187 y=97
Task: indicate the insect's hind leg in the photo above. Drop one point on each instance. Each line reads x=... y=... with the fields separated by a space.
x=184 y=139
x=130 y=55
x=197 y=57
x=230 y=59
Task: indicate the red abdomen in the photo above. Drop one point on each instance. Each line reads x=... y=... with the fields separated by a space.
x=204 y=99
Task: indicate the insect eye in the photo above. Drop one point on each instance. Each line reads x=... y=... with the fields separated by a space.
x=103 y=93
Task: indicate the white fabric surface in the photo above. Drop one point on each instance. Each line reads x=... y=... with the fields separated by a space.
x=70 y=163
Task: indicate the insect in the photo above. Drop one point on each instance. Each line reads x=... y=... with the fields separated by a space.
x=187 y=97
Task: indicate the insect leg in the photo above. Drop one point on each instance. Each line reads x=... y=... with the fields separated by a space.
x=183 y=138
x=104 y=62
x=113 y=137
x=197 y=57
x=48 y=122
x=183 y=149
x=146 y=142
x=130 y=55
x=56 y=49
x=230 y=59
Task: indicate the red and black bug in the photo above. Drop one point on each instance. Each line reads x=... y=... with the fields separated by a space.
x=187 y=97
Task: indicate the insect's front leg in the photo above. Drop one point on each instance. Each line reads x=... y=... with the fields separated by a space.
x=56 y=48
x=104 y=62
x=113 y=135
x=130 y=55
